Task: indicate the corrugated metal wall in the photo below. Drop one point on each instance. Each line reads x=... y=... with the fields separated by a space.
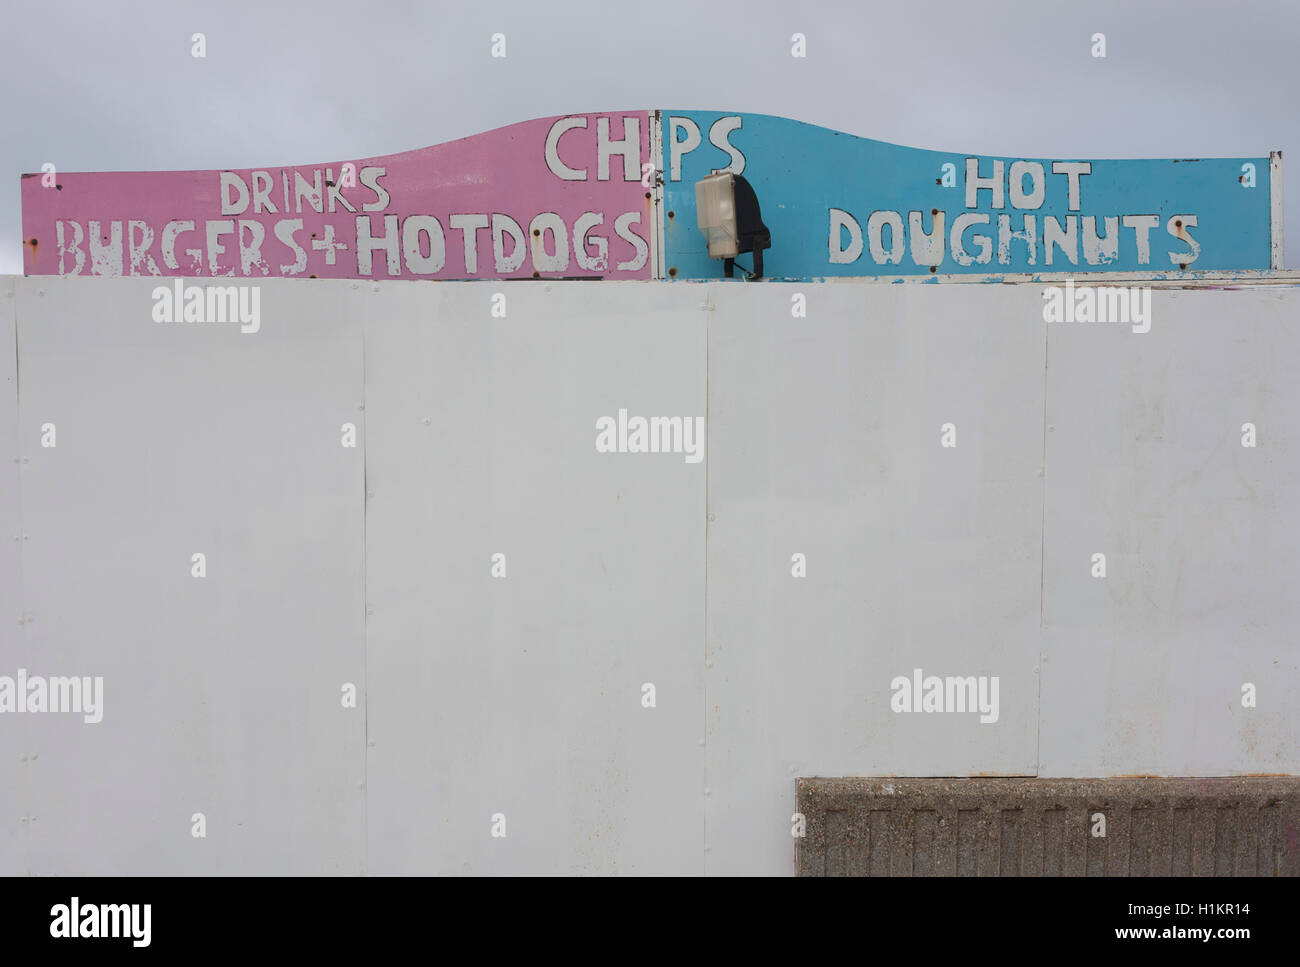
x=522 y=695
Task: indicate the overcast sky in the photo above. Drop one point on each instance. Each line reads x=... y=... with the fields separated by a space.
x=95 y=85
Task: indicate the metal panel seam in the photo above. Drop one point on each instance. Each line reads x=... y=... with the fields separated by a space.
x=656 y=225
x=365 y=607
x=29 y=798
x=1042 y=564
x=708 y=436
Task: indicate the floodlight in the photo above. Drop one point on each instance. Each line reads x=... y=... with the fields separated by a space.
x=727 y=213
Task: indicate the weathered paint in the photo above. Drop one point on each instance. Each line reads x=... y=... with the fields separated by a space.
x=1279 y=221
x=554 y=197
x=571 y=197
x=839 y=205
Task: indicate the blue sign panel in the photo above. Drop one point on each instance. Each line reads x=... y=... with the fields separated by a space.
x=838 y=205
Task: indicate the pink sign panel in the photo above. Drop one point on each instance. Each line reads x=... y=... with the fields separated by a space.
x=556 y=197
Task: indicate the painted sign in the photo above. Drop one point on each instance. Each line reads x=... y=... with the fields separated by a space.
x=839 y=205
x=612 y=196
x=551 y=198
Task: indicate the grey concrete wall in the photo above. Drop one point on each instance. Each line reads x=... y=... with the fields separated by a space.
x=522 y=695
x=1050 y=827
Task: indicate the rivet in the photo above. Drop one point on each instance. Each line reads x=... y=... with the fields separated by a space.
x=709 y=663
x=708 y=791
x=22 y=756
x=370 y=494
x=427 y=421
x=713 y=517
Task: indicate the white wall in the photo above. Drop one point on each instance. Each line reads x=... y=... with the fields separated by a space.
x=221 y=695
x=522 y=695
x=1145 y=464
